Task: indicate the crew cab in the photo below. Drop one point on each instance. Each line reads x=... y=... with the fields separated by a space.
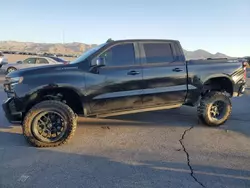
x=119 y=77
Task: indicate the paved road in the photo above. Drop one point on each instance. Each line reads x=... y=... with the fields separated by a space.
x=158 y=149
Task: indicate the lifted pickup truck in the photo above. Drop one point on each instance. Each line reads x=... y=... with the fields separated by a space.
x=119 y=77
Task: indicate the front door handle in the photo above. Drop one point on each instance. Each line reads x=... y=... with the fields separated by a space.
x=133 y=72
x=177 y=70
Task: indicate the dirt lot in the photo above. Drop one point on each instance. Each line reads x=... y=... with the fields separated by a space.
x=14 y=58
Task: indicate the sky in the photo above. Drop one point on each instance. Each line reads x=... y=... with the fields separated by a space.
x=213 y=25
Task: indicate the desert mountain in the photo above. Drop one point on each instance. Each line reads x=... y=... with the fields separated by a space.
x=202 y=54
x=77 y=48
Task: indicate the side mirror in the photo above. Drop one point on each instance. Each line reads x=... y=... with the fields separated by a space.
x=100 y=61
x=19 y=62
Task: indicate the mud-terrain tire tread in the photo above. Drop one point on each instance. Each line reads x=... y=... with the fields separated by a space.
x=49 y=104
x=206 y=101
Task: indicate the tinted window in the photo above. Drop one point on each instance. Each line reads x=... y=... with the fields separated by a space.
x=42 y=61
x=120 y=55
x=29 y=61
x=158 y=52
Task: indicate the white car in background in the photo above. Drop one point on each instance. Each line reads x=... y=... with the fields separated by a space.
x=30 y=62
x=3 y=59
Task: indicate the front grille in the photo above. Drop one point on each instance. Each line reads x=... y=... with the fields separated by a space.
x=8 y=88
x=12 y=106
x=11 y=88
x=10 y=94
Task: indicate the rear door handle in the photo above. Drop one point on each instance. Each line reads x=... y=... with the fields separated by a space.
x=177 y=70
x=133 y=72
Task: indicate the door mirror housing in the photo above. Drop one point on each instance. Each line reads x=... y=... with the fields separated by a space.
x=100 y=61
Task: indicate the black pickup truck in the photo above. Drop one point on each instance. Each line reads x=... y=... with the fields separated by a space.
x=119 y=77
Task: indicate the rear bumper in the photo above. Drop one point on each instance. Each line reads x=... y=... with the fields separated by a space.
x=10 y=111
x=239 y=89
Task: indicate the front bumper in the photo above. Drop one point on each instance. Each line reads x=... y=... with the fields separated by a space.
x=10 y=111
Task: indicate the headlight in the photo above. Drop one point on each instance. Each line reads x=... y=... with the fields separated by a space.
x=14 y=80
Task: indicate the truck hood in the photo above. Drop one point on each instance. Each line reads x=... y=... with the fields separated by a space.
x=46 y=69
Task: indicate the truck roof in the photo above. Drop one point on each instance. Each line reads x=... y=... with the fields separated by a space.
x=142 y=40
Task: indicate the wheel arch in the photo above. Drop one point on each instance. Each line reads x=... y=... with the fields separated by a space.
x=69 y=95
x=218 y=82
x=10 y=68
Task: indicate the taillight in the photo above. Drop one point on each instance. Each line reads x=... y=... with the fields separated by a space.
x=244 y=65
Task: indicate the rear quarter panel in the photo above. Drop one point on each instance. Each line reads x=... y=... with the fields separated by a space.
x=200 y=71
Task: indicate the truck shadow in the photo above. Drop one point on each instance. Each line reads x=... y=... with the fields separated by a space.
x=181 y=117
x=8 y=139
x=240 y=117
x=175 y=117
x=51 y=167
x=170 y=118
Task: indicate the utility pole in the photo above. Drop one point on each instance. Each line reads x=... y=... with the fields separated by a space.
x=63 y=42
x=63 y=36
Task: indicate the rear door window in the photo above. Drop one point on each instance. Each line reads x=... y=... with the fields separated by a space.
x=158 y=52
x=42 y=61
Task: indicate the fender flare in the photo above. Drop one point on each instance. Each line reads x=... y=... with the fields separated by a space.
x=227 y=77
x=217 y=76
x=33 y=94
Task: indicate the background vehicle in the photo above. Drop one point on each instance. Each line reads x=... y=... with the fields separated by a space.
x=119 y=77
x=3 y=59
x=58 y=59
x=31 y=62
x=248 y=61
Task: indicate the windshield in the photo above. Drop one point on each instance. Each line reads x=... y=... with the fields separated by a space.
x=87 y=54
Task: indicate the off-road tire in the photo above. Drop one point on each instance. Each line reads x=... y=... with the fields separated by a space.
x=50 y=105
x=206 y=102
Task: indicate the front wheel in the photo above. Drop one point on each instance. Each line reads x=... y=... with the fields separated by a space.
x=49 y=124
x=215 y=109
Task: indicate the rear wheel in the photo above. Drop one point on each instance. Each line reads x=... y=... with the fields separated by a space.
x=49 y=124
x=215 y=109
